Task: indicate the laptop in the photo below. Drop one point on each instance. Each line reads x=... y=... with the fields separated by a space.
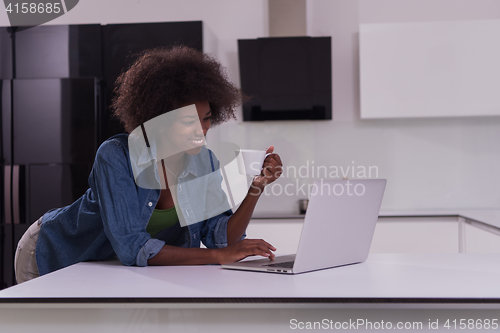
x=338 y=228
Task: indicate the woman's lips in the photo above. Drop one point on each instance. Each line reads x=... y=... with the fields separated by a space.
x=197 y=142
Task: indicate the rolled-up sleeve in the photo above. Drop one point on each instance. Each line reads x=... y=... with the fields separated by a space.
x=214 y=231
x=148 y=251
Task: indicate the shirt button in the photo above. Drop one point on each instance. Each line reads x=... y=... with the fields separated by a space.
x=150 y=204
x=187 y=213
x=180 y=188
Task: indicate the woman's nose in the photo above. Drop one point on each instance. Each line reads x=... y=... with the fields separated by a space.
x=201 y=130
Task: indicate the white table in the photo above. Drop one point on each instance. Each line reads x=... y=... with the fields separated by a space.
x=395 y=288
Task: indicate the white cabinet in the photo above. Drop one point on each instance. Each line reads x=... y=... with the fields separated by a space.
x=392 y=235
x=481 y=241
x=395 y=236
x=400 y=236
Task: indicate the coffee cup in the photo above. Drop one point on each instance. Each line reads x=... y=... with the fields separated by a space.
x=250 y=161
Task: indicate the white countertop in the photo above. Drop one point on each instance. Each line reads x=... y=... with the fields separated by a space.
x=393 y=277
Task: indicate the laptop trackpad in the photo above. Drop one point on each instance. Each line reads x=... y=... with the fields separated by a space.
x=267 y=262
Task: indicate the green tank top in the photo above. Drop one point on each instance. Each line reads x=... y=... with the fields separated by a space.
x=161 y=219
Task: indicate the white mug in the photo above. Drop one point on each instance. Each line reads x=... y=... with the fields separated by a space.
x=250 y=161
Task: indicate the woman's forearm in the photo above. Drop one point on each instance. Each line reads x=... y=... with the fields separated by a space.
x=173 y=255
x=236 y=226
x=238 y=222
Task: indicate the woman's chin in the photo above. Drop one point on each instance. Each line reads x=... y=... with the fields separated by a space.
x=193 y=151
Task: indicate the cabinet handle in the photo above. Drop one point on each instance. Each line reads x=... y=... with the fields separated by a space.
x=15 y=194
x=6 y=194
x=11 y=217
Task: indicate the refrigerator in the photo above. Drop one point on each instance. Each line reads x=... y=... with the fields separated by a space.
x=50 y=93
x=49 y=144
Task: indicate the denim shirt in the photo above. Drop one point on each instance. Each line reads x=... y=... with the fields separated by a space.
x=111 y=217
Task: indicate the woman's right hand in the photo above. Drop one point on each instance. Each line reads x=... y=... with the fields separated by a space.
x=243 y=249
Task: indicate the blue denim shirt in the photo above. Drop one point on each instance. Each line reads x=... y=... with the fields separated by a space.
x=111 y=217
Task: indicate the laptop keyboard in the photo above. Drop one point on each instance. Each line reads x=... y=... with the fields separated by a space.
x=286 y=264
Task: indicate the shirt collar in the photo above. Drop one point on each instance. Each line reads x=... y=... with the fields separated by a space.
x=190 y=166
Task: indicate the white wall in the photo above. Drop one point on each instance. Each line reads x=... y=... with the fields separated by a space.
x=429 y=163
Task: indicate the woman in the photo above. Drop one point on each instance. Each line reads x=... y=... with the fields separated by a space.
x=118 y=215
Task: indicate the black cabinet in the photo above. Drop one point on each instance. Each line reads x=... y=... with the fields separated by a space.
x=5 y=53
x=49 y=147
x=10 y=234
x=290 y=78
x=59 y=51
x=55 y=120
x=121 y=42
x=55 y=139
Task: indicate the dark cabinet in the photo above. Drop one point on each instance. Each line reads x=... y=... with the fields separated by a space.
x=50 y=144
x=55 y=120
x=59 y=51
x=290 y=78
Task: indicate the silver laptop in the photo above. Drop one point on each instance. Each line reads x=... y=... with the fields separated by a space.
x=338 y=228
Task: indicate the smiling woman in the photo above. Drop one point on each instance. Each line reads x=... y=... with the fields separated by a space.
x=167 y=101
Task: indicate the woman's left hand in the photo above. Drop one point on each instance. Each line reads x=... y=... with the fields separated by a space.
x=271 y=170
